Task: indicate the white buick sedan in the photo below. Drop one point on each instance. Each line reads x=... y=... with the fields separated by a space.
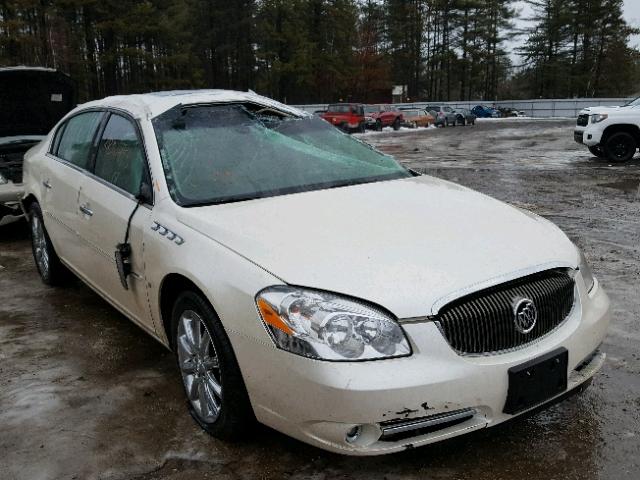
x=306 y=280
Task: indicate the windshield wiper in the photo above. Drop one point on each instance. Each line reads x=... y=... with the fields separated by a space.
x=291 y=190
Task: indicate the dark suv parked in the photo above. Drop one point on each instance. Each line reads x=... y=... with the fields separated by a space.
x=33 y=99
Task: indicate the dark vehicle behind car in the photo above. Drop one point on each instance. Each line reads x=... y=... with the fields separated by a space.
x=33 y=99
x=483 y=111
x=464 y=116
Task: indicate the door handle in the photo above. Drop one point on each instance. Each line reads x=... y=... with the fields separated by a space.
x=46 y=184
x=86 y=210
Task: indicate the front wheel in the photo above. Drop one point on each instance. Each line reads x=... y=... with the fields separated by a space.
x=620 y=147
x=396 y=124
x=216 y=394
x=51 y=270
x=378 y=125
x=597 y=151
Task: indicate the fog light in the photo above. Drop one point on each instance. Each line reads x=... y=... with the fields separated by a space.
x=354 y=434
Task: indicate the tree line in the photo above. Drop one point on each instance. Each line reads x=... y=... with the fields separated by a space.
x=305 y=51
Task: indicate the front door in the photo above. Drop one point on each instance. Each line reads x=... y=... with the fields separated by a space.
x=106 y=201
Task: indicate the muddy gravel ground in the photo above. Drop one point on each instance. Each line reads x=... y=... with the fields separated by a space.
x=85 y=394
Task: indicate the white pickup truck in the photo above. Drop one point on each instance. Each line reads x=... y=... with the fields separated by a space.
x=610 y=132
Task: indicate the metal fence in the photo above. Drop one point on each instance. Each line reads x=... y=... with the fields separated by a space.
x=567 y=108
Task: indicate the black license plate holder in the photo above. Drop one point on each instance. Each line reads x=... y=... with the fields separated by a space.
x=537 y=381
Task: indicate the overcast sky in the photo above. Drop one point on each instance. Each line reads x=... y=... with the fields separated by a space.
x=631 y=14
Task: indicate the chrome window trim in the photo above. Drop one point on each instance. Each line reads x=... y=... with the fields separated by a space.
x=97 y=137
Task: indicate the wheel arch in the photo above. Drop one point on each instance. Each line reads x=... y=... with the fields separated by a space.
x=27 y=201
x=172 y=285
x=622 y=127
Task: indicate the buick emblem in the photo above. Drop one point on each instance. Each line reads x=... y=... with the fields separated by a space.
x=525 y=315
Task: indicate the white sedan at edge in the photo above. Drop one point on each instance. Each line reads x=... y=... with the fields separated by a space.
x=306 y=280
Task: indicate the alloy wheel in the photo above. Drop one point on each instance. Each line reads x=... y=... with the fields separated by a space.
x=40 y=245
x=621 y=148
x=199 y=366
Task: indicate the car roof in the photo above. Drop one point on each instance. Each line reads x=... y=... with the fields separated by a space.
x=150 y=105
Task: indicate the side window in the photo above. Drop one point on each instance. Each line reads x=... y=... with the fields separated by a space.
x=448 y=109
x=75 y=144
x=56 y=139
x=120 y=159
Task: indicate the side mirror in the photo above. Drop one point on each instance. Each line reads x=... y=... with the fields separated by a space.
x=145 y=194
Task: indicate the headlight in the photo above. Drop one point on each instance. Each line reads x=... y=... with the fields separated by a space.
x=327 y=326
x=587 y=273
x=3 y=181
x=599 y=117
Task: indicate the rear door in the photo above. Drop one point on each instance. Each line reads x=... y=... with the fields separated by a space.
x=106 y=201
x=62 y=178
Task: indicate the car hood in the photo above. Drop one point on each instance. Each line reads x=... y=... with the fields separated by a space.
x=409 y=245
x=597 y=110
x=21 y=140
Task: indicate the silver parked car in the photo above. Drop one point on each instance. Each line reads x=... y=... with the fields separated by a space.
x=445 y=115
x=464 y=116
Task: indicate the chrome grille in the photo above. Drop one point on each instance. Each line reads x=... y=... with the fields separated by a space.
x=583 y=120
x=483 y=323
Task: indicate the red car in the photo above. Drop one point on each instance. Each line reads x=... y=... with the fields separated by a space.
x=380 y=116
x=346 y=116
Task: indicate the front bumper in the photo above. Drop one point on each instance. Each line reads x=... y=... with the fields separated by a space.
x=320 y=402
x=590 y=135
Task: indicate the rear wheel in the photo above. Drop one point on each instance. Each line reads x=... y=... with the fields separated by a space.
x=216 y=394
x=597 y=151
x=620 y=147
x=51 y=270
x=396 y=124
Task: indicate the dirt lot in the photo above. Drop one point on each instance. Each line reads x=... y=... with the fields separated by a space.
x=86 y=394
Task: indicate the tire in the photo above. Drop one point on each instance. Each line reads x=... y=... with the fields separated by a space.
x=620 y=147
x=378 y=125
x=597 y=151
x=51 y=270
x=215 y=375
x=396 y=124
x=462 y=120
